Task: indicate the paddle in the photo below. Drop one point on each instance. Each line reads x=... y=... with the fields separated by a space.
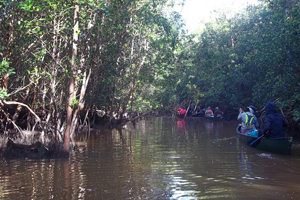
x=256 y=141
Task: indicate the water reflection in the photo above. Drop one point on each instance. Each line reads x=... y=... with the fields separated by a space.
x=161 y=158
x=181 y=124
x=218 y=128
x=209 y=125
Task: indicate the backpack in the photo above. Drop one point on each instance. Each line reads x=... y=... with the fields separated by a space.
x=248 y=121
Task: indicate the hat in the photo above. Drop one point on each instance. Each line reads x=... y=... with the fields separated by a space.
x=217 y=108
x=253 y=108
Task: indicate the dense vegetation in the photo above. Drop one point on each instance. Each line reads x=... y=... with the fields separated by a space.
x=63 y=60
x=249 y=59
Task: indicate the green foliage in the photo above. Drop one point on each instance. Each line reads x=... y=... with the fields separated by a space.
x=140 y=56
x=3 y=94
x=4 y=68
x=251 y=58
x=74 y=103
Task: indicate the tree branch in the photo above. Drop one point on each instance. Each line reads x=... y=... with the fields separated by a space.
x=22 y=104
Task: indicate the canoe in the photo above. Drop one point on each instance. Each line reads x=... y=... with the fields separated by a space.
x=198 y=115
x=280 y=146
x=180 y=116
x=214 y=118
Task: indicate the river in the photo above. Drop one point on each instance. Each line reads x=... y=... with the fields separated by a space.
x=158 y=158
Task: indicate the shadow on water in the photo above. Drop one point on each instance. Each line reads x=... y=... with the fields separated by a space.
x=159 y=158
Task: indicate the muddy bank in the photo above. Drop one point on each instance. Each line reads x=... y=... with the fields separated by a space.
x=36 y=150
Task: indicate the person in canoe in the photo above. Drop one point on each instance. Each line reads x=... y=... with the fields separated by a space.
x=192 y=108
x=249 y=120
x=180 y=111
x=274 y=123
x=209 y=112
x=198 y=109
x=218 y=112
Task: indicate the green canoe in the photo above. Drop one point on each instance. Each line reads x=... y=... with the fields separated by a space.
x=280 y=146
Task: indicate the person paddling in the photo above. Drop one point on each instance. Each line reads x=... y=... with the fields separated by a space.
x=274 y=123
x=218 y=112
x=180 y=111
x=209 y=112
x=249 y=120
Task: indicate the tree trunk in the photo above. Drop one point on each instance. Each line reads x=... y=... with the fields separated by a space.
x=72 y=94
x=8 y=51
x=85 y=80
x=132 y=86
x=81 y=101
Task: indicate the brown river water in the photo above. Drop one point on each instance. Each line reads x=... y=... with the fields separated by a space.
x=158 y=158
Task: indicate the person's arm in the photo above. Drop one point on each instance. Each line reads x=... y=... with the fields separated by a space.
x=267 y=128
x=256 y=123
x=240 y=114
